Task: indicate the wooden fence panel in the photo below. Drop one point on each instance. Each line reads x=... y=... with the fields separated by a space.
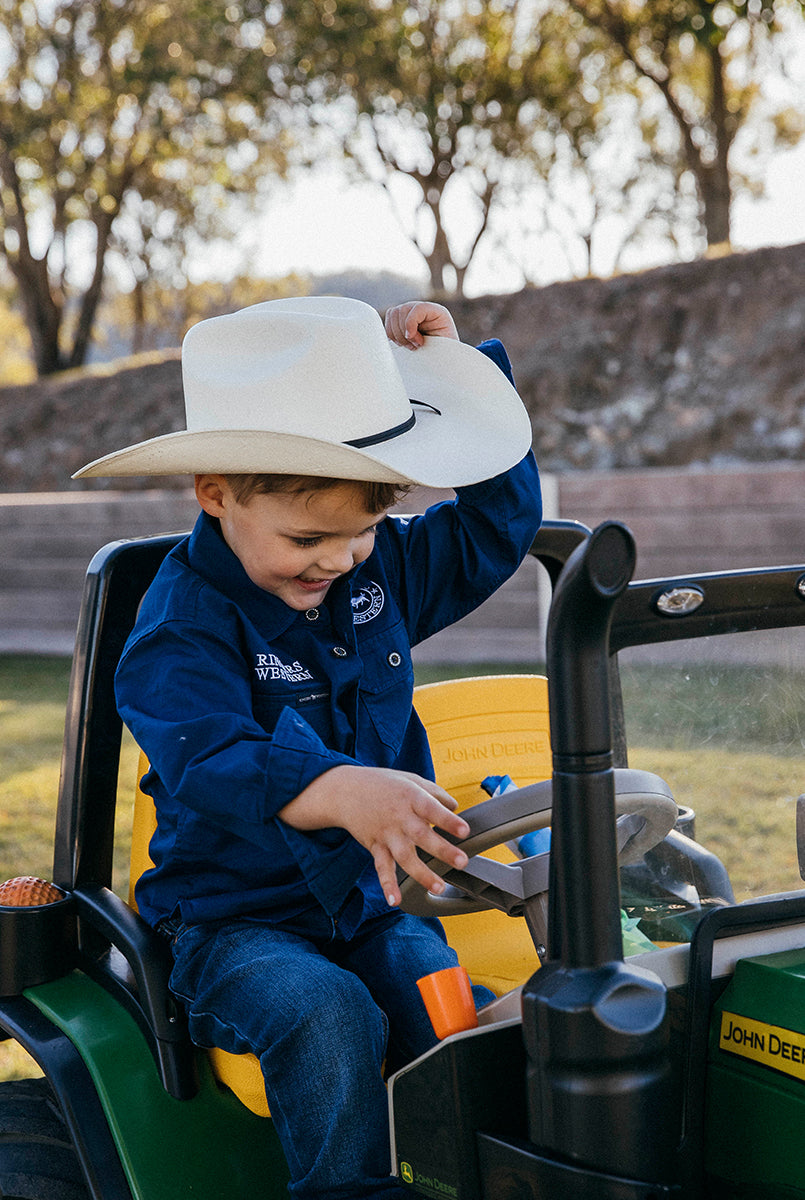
x=684 y=521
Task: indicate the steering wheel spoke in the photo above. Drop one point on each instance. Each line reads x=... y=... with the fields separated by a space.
x=646 y=812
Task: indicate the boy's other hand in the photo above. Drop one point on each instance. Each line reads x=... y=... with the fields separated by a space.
x=409 y=324
x=391 y=813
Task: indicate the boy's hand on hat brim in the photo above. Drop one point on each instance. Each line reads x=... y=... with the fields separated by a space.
x=391 y=813
x=409 y=324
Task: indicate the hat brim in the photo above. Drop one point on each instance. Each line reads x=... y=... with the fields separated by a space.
x=481 y=429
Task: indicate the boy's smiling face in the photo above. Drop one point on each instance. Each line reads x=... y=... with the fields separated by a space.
x=293 y=544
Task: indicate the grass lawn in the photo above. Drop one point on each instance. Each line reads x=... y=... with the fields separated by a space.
x=33 y=695
x=733 y=757
x=730 y=741
x=33 y=698
x=737 y=764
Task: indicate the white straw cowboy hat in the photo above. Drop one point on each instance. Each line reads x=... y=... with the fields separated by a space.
x=312 y=386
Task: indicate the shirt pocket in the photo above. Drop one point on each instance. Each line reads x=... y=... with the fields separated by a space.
x=311 y=700
x=387 y=685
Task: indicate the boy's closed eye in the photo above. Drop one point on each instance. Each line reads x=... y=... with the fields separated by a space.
x=315 y=539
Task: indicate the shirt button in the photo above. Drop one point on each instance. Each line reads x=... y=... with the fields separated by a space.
x=339 y=652
x=394 y=659
x=312 y=614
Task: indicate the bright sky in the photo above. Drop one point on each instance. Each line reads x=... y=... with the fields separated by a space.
x=325 y=225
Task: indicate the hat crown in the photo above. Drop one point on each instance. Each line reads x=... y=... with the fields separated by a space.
x=323 y=368
x=312 y=386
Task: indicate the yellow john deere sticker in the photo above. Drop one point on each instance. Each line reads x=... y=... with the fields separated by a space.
x=775 y=1047
x=428 y=1184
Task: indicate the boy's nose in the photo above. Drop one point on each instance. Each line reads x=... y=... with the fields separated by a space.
x=340 y=558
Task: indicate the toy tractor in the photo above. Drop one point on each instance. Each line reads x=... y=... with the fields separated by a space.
x=675 y=1071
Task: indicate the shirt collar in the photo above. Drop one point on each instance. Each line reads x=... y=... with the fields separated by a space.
x=211 y=558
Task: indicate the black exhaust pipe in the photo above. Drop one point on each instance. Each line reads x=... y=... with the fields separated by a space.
x=600 y=1091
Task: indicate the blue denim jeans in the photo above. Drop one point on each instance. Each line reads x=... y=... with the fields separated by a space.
x=322 y=1014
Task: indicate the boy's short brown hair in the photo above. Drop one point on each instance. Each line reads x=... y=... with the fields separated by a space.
x=377 y=497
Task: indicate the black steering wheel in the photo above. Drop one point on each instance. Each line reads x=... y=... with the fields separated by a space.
x=646 y=813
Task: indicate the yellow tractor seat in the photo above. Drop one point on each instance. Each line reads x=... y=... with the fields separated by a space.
x=239 y=1072
x=488 y=725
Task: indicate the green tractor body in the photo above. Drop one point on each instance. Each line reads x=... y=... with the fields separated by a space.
x=210 y=1145
x=756 y=1079
x=674 y=1072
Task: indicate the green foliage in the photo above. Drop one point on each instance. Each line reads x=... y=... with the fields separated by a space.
x=125 y=125
x=439 y=92
x=141 y=130
x=498 y=98
x=707 y=60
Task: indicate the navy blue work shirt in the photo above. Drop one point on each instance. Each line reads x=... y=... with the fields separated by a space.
x=240 y=701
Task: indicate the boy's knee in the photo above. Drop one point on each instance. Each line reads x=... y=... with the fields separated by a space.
x=343 y=1013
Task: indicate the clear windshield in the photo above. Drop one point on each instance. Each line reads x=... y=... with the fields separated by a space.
x=722 y=720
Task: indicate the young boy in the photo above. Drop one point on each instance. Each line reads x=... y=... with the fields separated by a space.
x=269 y=681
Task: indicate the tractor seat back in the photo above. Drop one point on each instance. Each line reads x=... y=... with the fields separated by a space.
x=487 y=725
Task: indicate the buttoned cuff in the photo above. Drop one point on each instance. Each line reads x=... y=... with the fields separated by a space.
x=331 y=861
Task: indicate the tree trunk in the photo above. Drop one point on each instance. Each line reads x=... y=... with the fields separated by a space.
x=716 y=205
x=92 y=296
x=440 y=259
x=42 y=310
x=43 y=315
x=714 y=178
x=138 y=319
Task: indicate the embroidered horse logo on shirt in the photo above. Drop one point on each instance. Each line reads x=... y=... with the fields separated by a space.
x=367 y=603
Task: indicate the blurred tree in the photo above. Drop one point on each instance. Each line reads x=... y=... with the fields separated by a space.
x=603 y=196
x=127 y=126
x=165 y=313
x=451 y=94
x=708 y=60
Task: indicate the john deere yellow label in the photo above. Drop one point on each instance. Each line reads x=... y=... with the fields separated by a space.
x=429 y=1185
x=775 y=1047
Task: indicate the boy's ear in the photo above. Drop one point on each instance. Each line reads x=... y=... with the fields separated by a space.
x=211 y=493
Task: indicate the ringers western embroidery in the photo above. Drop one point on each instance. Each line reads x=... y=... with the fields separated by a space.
x=268 y=666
